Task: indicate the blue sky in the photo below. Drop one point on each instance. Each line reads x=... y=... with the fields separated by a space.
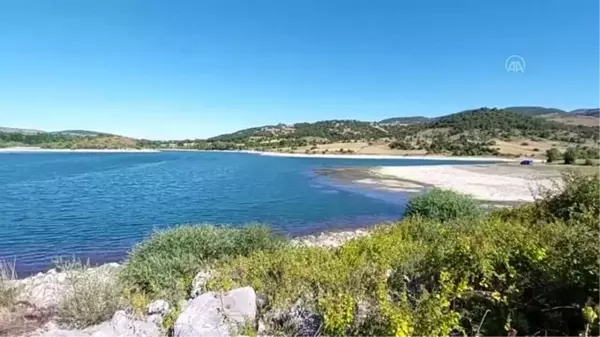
x=194 y=69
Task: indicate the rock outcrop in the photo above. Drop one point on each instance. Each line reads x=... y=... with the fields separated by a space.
x=46 y=290
x=217 y=314
x=333 y=239
x=199 y=283
x=121 y=325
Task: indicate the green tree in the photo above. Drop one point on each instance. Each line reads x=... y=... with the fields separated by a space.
x=552 y=155
x=570 y=156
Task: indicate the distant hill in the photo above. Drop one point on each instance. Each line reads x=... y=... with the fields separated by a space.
x=471 y=132
x=405 y=120
x=20 y=131
x=549 y=113
x=81 y=133
x=534 y=110
x=331 y=130
x=464 y=133
x=73 y=139
x=586 y=112
x=585 y=117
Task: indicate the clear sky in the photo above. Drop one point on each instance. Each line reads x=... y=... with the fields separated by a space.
x=194 y=69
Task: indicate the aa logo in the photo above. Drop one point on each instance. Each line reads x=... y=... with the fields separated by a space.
x=515 y=64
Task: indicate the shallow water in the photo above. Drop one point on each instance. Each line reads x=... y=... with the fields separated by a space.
x=97 y=205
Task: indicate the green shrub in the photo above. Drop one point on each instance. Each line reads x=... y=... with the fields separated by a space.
x=164 y=265
x=92 y=297
x=570 y=156
x=552 y=155
x=588 y=162
x=532 y=268
x=576 y=198
x=442 y=205
x=422 y=277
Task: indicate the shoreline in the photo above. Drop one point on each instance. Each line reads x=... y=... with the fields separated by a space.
x=42 y=150
x=483 y=159
x=326 y=239
x=384 y=156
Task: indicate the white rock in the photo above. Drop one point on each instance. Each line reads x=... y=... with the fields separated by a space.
x=52 y=330
x=216 y=314
x=199 y=282
x=46 y=290
x=158 y=307
x=121 y=325
x=329 y=240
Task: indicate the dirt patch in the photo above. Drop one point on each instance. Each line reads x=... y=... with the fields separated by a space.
x=22 y=318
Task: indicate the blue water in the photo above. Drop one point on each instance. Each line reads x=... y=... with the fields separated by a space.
x=98 y=205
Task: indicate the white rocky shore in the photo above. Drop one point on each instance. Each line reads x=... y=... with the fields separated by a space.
x=203 y=314
x=489 y=185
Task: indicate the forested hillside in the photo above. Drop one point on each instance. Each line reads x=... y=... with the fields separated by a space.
x=71 y=139
x=406 y=120
x=472 y=132
x=514 y=131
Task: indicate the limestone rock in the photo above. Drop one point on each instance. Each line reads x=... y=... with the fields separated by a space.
x=199 y=282
x=329 y=240
x=159 y=307
x=216 y=314
x=121 y=325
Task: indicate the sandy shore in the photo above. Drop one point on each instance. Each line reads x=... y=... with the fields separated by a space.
x=377 y=156
x=489 y=183
x=38 y=149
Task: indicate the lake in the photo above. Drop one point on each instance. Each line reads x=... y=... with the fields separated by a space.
x=98 y=205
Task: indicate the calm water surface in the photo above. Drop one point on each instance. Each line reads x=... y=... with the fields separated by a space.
x=97 y=205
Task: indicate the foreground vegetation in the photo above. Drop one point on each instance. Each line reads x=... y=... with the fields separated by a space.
x=454 y=270
x=448 y=268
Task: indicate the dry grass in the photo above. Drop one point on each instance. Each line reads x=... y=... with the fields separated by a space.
x=16 y=317
x=8 y=291
x=92 y=296
x=573 y=120
x=22 y=318
x=361 y=147
x=518 y=147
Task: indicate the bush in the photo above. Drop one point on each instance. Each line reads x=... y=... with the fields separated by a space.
x=443 y=205
x=552 y=155
x=8 y=292
x=164 y=265
x=524 y=144
x=570 y=156
x=92 y=296
x=588 y=162
x=575 y=199
x=421 y=277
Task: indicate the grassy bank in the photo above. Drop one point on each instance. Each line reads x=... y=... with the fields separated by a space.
x=447 y=268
